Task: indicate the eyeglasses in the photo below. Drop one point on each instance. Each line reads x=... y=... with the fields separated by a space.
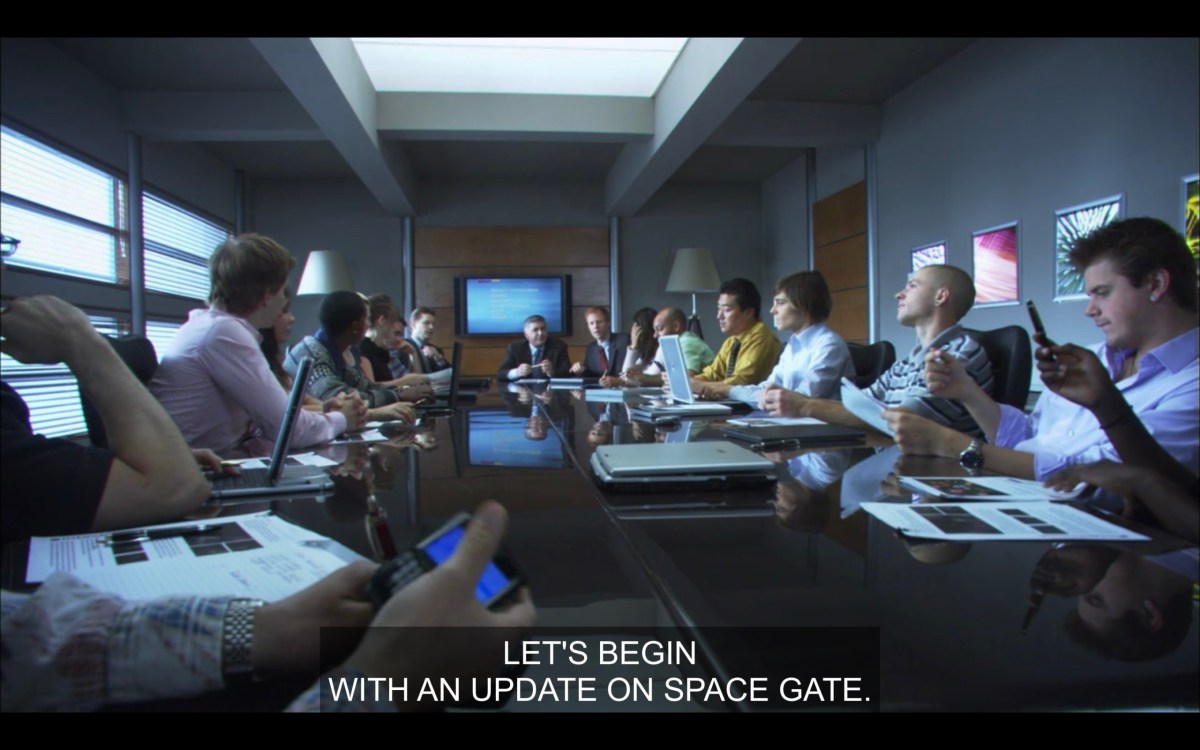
x=8 y=245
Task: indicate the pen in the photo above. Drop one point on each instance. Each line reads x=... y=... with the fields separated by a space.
x=146 y=535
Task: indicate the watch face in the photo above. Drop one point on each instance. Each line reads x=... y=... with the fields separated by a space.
x=971 y=459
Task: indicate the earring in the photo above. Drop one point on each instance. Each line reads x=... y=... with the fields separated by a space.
x=1154 y=297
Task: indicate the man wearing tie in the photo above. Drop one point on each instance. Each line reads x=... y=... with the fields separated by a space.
x=749 y=354
x=606 y=354
x=539 y=356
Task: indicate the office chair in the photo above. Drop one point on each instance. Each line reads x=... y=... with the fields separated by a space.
x=1012 y=363
x=138 y=353
x=871 y=361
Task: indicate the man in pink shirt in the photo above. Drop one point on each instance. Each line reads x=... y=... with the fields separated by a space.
x=213 y=379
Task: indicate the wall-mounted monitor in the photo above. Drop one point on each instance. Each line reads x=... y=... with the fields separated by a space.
x=498 y=305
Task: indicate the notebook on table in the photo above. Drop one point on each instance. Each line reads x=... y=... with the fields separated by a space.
x=793 y=436
x=679 y=467
x=279 y=479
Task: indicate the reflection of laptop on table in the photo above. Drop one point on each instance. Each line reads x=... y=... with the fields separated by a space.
x=679 y=467
x=682 y=402
x=278 y=479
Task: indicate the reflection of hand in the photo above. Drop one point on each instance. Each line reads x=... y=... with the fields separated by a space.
x=411 y=636
x=287 y=633
x=1077 y=375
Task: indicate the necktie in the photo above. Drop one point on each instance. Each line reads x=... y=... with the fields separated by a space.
x=537 y=359
x=733 y=352
x=603 y=360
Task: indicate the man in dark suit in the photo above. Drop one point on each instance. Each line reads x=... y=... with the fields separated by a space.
x=605 y=357
x=538 y=356
x=431 y=358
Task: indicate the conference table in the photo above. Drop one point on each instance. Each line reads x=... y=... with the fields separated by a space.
x=791 y=584
x=793 y=580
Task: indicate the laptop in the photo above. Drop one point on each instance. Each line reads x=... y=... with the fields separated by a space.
x=679 y=467
x=278 y=479
x=447 y=407
x=790 y=437
x=682 y=402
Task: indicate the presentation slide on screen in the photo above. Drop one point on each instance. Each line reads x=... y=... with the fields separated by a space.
x=501 y=305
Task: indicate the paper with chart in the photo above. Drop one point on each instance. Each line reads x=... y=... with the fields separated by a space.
x=1006 y=521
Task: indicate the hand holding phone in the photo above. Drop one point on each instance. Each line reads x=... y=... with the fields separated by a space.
x=1039 y=330
x=500 y=579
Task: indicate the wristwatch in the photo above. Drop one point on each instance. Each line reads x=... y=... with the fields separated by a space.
x=237 y=640
x=972 y=458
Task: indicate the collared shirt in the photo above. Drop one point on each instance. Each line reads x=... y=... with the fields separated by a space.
x=71 y=647
x=1163 y=394
x=215 y=383
x=813 y=363
x=756 y=356
x=903 y=385
x=697 y=354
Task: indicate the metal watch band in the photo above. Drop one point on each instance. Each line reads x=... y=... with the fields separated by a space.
x=236 y=641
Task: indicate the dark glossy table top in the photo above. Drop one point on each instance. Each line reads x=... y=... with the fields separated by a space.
x=951 y=618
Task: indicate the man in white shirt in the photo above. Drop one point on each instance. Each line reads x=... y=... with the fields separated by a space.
x=214 y=380
x=814 y=360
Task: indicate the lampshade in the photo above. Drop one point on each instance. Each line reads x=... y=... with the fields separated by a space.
x=325 y=271
x=693 y=271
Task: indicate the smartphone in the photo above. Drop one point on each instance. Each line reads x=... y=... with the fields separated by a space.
x=500 y=579
x=1037 y=322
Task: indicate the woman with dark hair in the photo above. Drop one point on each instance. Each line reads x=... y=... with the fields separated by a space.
x=643 y=347
x=273 y=345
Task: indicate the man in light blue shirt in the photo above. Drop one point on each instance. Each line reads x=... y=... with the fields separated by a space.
x=814 y=360
x=1141 y=284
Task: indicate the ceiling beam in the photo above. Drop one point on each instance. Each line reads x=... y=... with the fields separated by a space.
x=253 y=116
x=800 y=125
x=448 y=116
x=328 y=79
x=709 y=80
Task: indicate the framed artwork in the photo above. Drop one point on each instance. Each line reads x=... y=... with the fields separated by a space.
x=1191 y=214
x=1069 y=225
x=926 y=255
x=996 y=273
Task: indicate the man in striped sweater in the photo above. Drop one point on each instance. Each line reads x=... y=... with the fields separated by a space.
x=933 y=302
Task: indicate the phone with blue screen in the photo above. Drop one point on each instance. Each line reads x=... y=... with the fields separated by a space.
x=500 y=579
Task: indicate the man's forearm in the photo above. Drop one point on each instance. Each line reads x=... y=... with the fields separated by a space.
x=833 y=412
x=140 y=432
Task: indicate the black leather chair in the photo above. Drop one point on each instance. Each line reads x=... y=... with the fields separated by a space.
x=138 y=353
x=1012 y=362
x=871 y=361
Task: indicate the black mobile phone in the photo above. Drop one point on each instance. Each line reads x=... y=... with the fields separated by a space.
x=500 y=579
x=1037 y=322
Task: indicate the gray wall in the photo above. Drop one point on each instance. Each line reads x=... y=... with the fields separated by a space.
x=785 y=224
x=342 y=215
x=838 y=169
x=727 y=219
x=1014 y=129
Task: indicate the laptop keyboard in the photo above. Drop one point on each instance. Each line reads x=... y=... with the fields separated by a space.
x=247 y=480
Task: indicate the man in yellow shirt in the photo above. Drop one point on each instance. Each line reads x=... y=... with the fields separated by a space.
x=751 y=350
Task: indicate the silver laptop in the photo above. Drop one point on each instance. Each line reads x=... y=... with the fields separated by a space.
x=669 y=467
x=682 y=402
x=278 y=479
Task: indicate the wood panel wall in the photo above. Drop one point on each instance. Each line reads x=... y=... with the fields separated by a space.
x=441 y=253
x=840 y=254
